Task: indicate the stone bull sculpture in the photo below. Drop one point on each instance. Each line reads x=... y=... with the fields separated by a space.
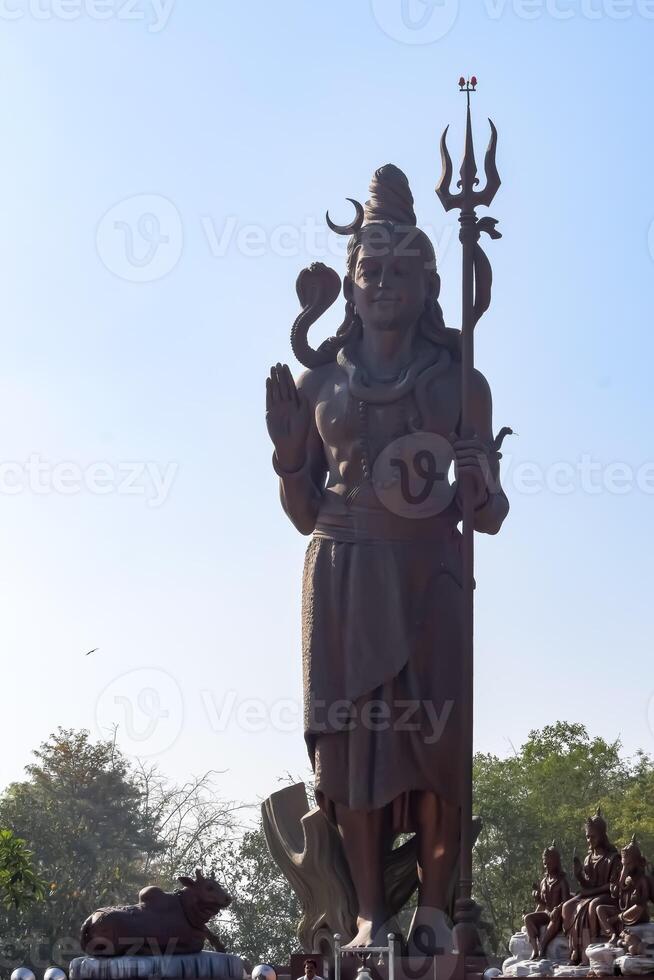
x=161 y=923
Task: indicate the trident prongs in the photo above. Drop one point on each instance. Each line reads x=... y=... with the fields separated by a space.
x=468 y=198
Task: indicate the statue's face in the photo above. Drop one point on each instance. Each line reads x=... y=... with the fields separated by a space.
x=390 y=280
x=550 y=862
x=594 y=837
x=629 y=863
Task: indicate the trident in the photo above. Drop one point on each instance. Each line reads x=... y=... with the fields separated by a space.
x=477 y=281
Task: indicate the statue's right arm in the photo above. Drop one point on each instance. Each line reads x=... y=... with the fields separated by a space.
x=301 y=486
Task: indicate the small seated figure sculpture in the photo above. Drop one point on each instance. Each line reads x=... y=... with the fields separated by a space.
x=600 y=870
x=631 y=893
x=549 y=895
x=161 y=923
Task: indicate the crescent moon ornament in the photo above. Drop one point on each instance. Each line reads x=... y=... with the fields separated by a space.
x=353 y=226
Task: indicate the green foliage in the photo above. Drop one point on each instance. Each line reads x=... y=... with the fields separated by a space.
x=19 y=880
x=79 y=810
x=542 y=793
x=85 y=829
x=265 y=911
x=99 y=830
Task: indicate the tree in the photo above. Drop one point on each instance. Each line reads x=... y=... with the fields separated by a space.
x=544 y=792
x=20 y=883
x=86 y=829
x=80 y=812
x=263 y=917
x=99 y=831
x=194 y=827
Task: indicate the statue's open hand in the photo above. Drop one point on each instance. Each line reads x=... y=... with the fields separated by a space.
x=472 y=468
x=287 y=417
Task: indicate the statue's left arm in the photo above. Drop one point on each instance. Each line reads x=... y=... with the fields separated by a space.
x=480 y=456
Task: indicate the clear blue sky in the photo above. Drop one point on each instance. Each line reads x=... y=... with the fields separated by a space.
x=143 y=334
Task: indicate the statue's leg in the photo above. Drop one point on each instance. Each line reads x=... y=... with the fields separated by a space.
x=553 y=929
x=366 y=836
x=533 y=922
x=594 y=925
x=438 y=833
x=568 y=915
x=607 y=917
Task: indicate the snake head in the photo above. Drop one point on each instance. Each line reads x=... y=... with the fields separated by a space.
x=499 y=439
x=317 y=287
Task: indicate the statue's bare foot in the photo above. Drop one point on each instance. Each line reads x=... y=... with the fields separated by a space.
x=371 y=932
x=430 y=933
x=535 y=955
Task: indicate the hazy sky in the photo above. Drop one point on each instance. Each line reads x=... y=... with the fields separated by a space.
x=165 y=172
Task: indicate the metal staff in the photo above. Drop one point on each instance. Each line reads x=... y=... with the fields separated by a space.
x=477 y=280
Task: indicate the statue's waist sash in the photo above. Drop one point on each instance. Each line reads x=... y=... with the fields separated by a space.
x=381 y=525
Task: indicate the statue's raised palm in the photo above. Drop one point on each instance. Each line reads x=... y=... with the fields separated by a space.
x=287 y=417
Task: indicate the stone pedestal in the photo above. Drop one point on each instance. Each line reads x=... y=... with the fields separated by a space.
x=603 y=959
x=568 y=970
x=519 y=963
x=641 y=962
x=196 y=966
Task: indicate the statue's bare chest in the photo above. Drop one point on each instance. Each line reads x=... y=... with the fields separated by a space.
x=344 y=421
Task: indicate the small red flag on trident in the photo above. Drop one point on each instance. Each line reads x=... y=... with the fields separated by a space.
x=477 y=280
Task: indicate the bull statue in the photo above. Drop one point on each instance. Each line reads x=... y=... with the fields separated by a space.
x=161 y=923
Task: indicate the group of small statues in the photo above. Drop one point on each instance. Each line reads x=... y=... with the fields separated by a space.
x=614 y=894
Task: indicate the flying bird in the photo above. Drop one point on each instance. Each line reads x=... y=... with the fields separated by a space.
x=91 y=651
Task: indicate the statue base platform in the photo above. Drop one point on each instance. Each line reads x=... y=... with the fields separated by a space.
x=604 y=960
x=445 y=966
x=184 y=966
